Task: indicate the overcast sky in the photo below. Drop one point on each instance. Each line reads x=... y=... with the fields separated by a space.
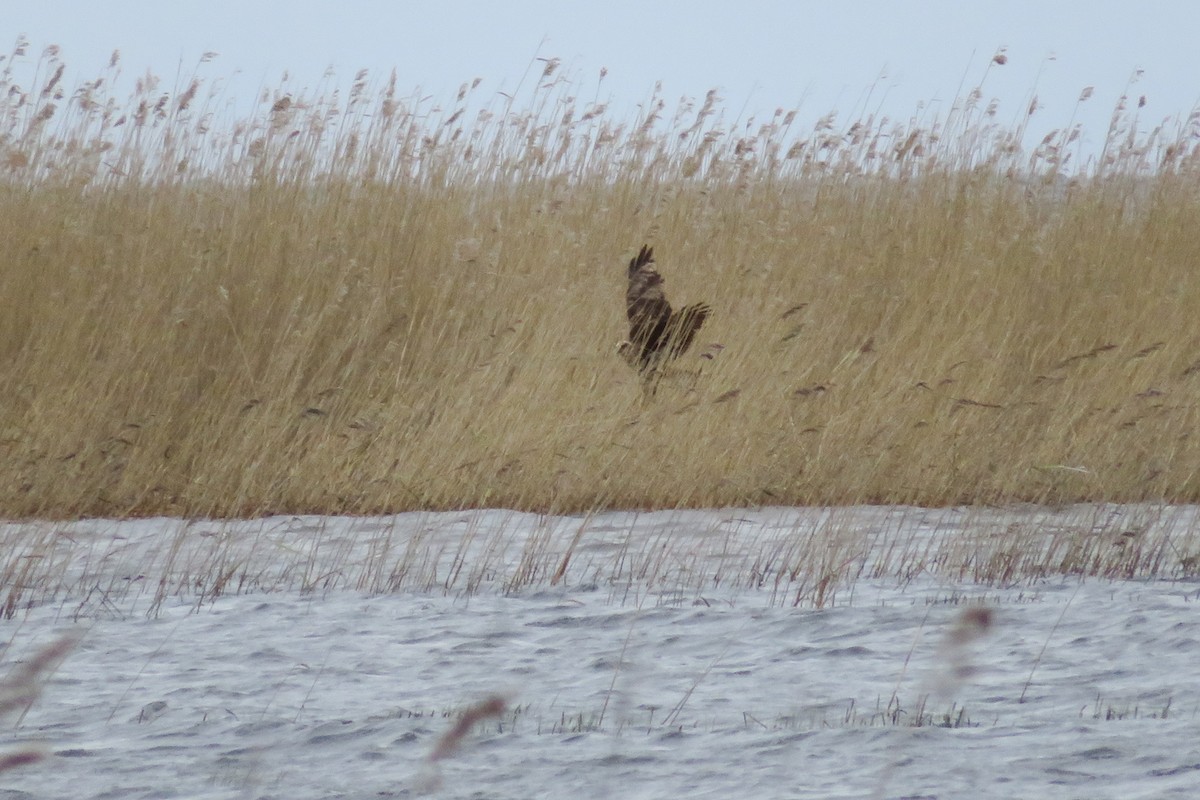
x=818 y=57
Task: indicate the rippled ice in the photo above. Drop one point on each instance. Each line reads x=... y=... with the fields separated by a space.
x=1086 y=689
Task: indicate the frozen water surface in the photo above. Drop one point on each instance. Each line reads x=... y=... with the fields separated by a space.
x=671 y=654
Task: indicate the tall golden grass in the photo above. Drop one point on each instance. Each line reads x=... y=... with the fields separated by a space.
x=370 y=302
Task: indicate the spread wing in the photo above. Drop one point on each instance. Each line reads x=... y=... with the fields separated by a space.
x=682 y=327
x=647 y=306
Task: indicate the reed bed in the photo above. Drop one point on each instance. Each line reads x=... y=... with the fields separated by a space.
x=371 y=302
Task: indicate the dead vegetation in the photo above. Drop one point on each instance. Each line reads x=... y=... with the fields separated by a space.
x=375 y=302
x=800 y=558
x=20 y=686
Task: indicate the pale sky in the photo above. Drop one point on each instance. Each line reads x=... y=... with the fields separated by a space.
x=818 y=57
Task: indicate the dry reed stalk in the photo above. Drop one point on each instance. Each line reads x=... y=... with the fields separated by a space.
x=23 y=685
x=952 y=668
x=450 y=741
x=429 y=779
x=812 y=561
x=416 y=310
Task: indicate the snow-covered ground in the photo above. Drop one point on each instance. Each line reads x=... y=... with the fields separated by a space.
x=640 y=655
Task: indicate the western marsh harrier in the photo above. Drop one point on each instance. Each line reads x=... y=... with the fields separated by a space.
x=656 y=333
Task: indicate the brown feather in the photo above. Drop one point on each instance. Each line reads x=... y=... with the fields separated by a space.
x=656 y=333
